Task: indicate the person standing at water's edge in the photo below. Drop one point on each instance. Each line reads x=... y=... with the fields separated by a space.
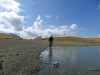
x=50 y=41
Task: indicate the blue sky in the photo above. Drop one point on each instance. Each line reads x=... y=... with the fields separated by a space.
x=52 y=17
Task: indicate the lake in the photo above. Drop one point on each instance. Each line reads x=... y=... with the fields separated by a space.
x=83 y=60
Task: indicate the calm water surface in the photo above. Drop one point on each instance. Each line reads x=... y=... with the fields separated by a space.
x=72 y=60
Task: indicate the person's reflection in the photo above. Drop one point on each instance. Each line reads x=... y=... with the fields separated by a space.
x=50 y=55
x=50 y=51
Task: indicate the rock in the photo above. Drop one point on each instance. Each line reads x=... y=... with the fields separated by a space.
x=21 y=71
x=55 y=64
x=1 y=55
x=12 y=61
x=33 y=47
x=10 y=55
x=93 y=69
x=1 y=61
x=6 y=51
x=1 y=66
x=17 y=53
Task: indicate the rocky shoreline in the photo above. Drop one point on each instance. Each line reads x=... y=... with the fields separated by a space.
x=20 y=57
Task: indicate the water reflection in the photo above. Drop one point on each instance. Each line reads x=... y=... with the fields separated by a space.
x=50 y=51
x=50 y=55
x=72 y=60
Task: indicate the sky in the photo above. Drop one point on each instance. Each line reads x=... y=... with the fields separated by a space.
x=34 y=18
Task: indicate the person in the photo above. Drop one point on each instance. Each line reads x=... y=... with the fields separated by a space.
x=50 y=41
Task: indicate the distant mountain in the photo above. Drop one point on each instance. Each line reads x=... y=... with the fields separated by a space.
x=14 y=35
x=9 y=36
x=39 y=37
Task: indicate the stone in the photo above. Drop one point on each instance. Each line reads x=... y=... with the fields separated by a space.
x=17 y=53
x=55 y=64
x=1 y=66
x=1 y=61
x=1 y=55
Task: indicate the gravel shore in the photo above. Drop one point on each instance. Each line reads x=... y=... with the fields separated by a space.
x=20 y=57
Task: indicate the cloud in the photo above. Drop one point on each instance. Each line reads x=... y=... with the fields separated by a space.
x=9 y=15
x=99 y=35
x=99 y=5
x=48 y=16
x=11 y=5
x=38 y=23
x=12 y=22
x=63 y=30
x=73 y=27
x=38 y=18
x=12 y=19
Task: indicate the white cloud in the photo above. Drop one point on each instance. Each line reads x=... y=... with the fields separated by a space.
x=64 y=30
x=99 y=5
x=58 y=31
x=9 y=15
x=38 y=18
x=51 y=16
x=12 y=22
x=13 y=19
x=2 y=26
x=73 y=27
x=99 y=35
x=10 y=5
x=48 y=16
x=38 y=23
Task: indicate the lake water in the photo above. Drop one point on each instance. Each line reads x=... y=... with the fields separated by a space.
x=72 y=60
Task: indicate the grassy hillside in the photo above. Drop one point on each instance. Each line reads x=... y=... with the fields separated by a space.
x=69 y=38
x=76 y=39
x=5 y=36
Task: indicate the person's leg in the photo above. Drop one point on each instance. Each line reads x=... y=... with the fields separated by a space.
x=50 y=44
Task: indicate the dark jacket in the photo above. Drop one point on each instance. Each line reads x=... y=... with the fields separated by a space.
x=50 y=39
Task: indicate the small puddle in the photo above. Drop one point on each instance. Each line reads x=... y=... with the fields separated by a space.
x=72 y=60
